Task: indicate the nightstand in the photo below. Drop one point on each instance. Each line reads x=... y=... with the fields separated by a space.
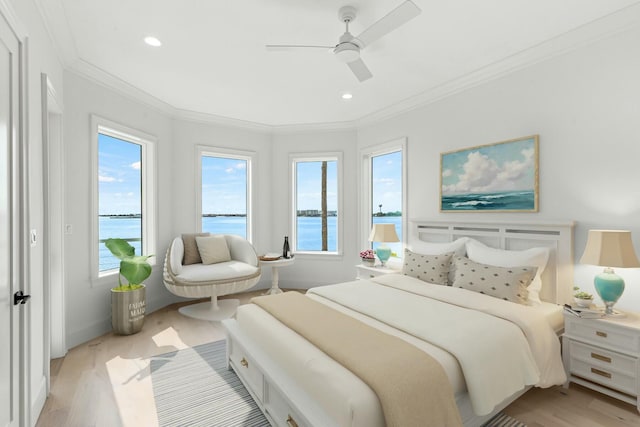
x=366 y=272
x=603 y=355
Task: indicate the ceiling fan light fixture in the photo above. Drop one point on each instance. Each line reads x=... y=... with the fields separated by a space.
x=347 y=52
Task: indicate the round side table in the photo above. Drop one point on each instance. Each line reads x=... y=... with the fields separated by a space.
x=275 y=265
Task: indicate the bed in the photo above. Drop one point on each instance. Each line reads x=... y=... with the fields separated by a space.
x=297 y=384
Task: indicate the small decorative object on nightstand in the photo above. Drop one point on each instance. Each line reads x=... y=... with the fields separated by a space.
x=604 y=355
x=368 y=257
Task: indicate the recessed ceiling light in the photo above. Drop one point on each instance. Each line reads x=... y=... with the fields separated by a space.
x=152 y=41
x=347 y=95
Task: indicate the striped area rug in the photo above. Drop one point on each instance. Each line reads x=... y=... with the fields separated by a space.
x=193 y=387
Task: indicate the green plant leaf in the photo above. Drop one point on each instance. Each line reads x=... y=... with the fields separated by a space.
x=135 y=269
x=120 y=248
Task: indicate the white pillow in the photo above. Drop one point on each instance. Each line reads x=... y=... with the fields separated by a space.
x=432 y=248
x=213 y=249
x=534 y=257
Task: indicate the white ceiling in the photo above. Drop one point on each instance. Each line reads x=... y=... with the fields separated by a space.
x=213 y=60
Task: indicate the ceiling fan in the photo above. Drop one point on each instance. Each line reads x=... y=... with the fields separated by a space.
x=348 y=48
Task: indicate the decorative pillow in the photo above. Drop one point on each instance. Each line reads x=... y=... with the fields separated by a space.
x=428 y=268
x=191 y=253
x=507 y=283
x=432 y=248
x=213 y=249
x=536 y=257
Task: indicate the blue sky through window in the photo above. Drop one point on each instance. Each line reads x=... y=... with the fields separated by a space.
x=386 y=172
x=309 y=185
x=224 y=186
x=119 y=176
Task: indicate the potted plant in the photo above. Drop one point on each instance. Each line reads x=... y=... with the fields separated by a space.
x=582 y=298
x=368 y=258
x=128 y=300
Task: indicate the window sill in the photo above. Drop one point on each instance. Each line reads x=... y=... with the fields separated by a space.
x=325 y=256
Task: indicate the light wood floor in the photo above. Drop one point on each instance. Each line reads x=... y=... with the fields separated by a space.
x=106 y=382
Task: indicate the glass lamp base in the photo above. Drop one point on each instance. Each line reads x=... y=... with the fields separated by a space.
x=383 y=255
x=609 y=287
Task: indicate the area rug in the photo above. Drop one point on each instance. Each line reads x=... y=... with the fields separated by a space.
x=193 y=387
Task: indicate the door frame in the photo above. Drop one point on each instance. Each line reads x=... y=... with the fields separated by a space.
x=20 y=264
x=53 y=229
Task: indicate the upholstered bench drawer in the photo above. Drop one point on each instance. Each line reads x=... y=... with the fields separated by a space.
x=247 y=370
x=279 y=410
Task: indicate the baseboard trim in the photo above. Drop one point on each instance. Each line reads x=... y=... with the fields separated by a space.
x=37 y=403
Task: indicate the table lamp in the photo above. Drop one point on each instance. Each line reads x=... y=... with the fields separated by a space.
x=383 y=233
x=609 y=248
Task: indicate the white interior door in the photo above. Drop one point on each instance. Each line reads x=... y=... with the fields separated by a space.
x=10 y=258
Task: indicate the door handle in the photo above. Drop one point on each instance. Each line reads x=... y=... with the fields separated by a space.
x=20 y=298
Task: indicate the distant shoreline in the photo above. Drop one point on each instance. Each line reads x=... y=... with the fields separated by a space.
x=126 y=216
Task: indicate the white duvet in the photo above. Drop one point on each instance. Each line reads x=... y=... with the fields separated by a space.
x=501 y=347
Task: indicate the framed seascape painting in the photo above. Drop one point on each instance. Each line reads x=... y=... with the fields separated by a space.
x=500 y=177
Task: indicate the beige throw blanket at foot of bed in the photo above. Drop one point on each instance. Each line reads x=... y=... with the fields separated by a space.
x=412 y=387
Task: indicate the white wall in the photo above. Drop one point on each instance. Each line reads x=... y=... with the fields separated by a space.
x=89 y=304
x=40 y=59
x=585 y=107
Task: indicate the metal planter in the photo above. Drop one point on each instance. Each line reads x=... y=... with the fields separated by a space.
x=127 y=311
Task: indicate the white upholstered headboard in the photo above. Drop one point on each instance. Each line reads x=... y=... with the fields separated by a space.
x=557 y=236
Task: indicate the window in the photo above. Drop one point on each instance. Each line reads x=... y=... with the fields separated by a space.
x=384 y=197
x=316 y=204
x=125 y=200
x=225 y=191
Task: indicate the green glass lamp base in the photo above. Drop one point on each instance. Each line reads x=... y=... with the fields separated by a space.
x=383 y=254
x=610 y=287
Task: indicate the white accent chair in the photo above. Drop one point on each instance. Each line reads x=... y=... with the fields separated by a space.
x=211 y=280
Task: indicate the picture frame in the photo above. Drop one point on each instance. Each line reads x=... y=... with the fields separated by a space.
x=498 y=177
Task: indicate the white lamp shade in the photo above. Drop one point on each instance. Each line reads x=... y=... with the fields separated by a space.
x=610 y=248
x=383 y=233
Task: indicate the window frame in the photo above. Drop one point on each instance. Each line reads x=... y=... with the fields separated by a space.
x=149 y=203
x=294 y=159
x=366 y=157
x=251 y=157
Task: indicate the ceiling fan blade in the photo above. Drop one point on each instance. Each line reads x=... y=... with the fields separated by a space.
x=392 y=20
x=360 y=70
x=290 y=47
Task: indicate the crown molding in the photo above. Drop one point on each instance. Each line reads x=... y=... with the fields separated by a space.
x=54 y=19
x=589 y=33
x=109 y=81
x=9 y=13
x=197 y=117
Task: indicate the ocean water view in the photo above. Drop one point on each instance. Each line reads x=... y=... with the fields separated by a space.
x=309 y=233
x=506 y=200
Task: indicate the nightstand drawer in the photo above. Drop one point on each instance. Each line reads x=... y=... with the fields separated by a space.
x=606 y=377
x=607 y=360
x=602 y=334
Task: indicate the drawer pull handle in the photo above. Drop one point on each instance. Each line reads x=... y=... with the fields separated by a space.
x=291 y=422
x=601 y=357
x=601 y=334
x=601 y=373
x=244 y=362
